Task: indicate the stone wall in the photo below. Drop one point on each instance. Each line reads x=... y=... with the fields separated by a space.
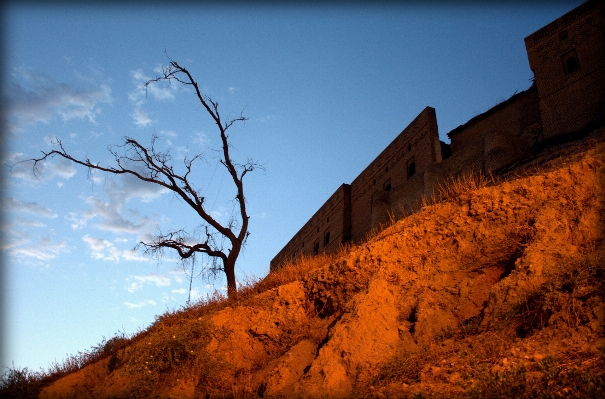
x=567 y=57
x=499 y=136
x=327 y=229
x=412 y=151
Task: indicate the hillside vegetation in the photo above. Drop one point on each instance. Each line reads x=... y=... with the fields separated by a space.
x=495 y=290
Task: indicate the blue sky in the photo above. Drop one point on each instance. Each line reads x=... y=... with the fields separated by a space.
x=325 y=89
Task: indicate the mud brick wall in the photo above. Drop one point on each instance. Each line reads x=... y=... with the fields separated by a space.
x=413 y=150
x=400 y=201
x=327 y=229
x=568 y=60
x=497 y=137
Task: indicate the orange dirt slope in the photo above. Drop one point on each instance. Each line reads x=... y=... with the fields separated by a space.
x=496 y=287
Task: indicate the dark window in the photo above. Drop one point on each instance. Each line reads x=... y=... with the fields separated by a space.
x=411 y=168
x=374 y=181
x=387 y=169
x=328 y=220
x=316 y=247
x=387 y=187
x=563 y=35
x=410 y=147
x=570 y=62
x=326 y=238
x=303 y=245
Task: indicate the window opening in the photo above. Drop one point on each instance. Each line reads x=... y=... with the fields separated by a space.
x=326 y=238
x=411 y=168
x=570 y=62
x=316 y=248
x=563 y=35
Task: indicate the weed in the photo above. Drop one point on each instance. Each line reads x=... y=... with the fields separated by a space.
x=24 y=383
x=548 y=381
x=177 y=348
x=463 y=184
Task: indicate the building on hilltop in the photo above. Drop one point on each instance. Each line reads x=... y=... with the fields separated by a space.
x=567 y=57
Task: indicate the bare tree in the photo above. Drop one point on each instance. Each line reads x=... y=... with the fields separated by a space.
x=154 y=166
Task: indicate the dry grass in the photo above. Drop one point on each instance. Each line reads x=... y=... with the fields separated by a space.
x=25 y=383
x=463 y=184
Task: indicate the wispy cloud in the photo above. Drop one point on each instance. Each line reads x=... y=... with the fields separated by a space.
x=33 y=97
x=103 y=249
x=158 y=90
x=201 y=139
x=45 y=170
x=15 y=205
x=43 y=249
x=131 y=305
x=140 y=117
x=137 y=282
x=266 y=118
x=140 y=93
x=119 y=191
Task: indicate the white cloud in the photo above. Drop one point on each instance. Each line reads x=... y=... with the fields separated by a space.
x=140 y=117
x=231 y=90
x=15 y=205
x=111 y=212
x=132 y=255
x=44 y=249
x=201 y=138
x=158 y=90
x=28 y=223
x=179 y=291
x=139 y=281
x=177 y=275
x=45 y=170
x=266 y=118
x=103 y=249
x=195 y=294
x=13 y=237
x=34 y=97
x=131 y=305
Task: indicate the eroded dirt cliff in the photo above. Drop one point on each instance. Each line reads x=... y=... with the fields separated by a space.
x=494 y=288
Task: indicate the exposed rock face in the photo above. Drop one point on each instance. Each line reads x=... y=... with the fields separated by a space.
x=494 y=278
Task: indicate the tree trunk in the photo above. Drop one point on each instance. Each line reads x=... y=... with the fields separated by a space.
x=230 y=272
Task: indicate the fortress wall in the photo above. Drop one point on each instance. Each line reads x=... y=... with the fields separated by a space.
x=397 y=202
x=567 y=57
x=413 y=150
x=334 y=217
x=497 y=137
